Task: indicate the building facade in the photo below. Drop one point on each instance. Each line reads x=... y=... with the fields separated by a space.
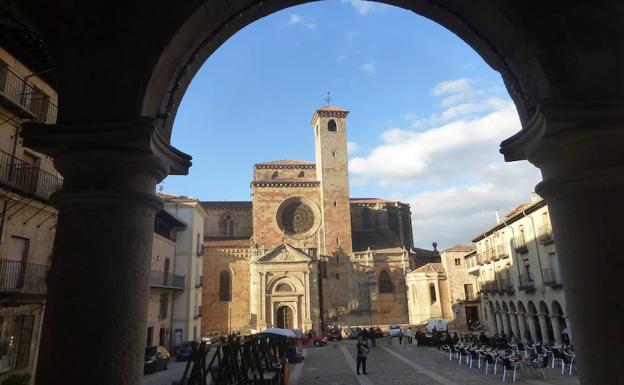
x=302 y=253
x=165 y=287
x=27 y=221
x=518 y=276
x=189 y=260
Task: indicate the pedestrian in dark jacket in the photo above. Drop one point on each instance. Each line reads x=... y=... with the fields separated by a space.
x=362 y=353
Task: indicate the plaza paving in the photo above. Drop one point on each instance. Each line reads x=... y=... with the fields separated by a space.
x=387 y=365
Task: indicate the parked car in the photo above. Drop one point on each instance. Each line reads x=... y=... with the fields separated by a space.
x=183 y=352
x=375 y=332
x=355 y=333
x=334 y=334
x=156 y=358
x=439 y=324
x=394 y=330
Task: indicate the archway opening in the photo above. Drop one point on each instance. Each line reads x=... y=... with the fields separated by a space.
x=284 y=317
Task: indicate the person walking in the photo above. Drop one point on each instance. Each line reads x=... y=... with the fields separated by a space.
x=409 y=333
x=362 y=353
x=400 y=336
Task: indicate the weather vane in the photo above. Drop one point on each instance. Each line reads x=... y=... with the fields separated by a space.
x=328 y=98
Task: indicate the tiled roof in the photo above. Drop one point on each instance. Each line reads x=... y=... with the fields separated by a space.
x=516 y=210
x=437 y=267
x=332 y=108
x=176 y=198
x=461 y=247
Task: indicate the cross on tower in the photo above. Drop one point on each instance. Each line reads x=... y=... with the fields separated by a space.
x=328 y=98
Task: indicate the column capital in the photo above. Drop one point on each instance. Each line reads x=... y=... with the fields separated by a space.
x=575 y=143
x=135 y=135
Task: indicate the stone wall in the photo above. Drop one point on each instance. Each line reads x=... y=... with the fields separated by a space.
x=242 y=217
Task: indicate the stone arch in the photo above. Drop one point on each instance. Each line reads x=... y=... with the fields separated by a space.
x=556 y=309
x=295 y=283
x=543 y=308
x=531 y=308
x=385 y=282
x=512 y=307
x=504 y=307
x=521 y=307
x=498 y=307
x=490 y=32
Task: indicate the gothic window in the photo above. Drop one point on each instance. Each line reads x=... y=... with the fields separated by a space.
x=227 y=226
x=385 y=283
x=432 y=293
x=331 y=125
x=225 y=286
x=301 y=174
x=297 y=218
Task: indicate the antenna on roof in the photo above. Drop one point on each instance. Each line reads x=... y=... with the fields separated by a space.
x=328 y=98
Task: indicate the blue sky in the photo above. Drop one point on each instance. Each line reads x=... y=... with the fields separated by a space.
x=427 y=113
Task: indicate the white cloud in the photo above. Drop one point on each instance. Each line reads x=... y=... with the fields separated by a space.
x=452 y=160
x=352 y=148
x=295 y=19
x=365 y=7
x=368 y=67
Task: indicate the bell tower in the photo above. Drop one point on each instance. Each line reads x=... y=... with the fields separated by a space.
x=330 y=137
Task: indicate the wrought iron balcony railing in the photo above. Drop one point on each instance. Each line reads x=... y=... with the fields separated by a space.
x=489 y=287
x=545 y=235
x=21 y=277
x=166 y=280
x=526 y=282
x=24 y=99
x=551 y=277
x=26 y=179
x=520 y=245
x=501 y=252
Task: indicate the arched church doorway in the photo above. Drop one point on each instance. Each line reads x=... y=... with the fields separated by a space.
x=284 y=317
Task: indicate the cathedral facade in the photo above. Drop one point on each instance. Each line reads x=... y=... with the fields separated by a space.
x=303 y=254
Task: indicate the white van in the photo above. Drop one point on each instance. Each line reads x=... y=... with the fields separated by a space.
x=439 y=324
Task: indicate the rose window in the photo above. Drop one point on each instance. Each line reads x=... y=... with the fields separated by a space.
x=297 y=218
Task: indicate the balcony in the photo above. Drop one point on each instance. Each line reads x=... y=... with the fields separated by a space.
x=520 y=245
x=471 y=264
x=484 y=257
x=198 y=312
x=489 y=287
x=166 y=280
x=526 y=282
x=199 y=281
x=545 y=235
x=21 y=277
x=24 y=99
x=501 y=252
x=27 y=179
x=551 y=277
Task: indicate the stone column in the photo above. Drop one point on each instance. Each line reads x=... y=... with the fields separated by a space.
x=492 y=319
x=543 y=327
x=499 y=323
x=263 y=309
x=98 y=281
x=556 y=325
x=514 y=325
x=577 y=145
x=506 y=328
x=521 y=326
x=569 y=329
x=306 y=299
x=533 y=328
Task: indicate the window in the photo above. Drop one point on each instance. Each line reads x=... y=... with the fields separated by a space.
x=301 y=174
x=432 y=293
x=225 y=286
x=385 y=283
x=227 y=226
x=337 y=276
x=162 y=337
x=333 y=154
x=468 y=292
x=15 y=341
x=150 y=336
x=457 y=262
x=274 y=175
x=331 y=125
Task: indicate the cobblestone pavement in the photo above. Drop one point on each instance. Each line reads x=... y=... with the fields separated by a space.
x=402 y=365
x=387 y=365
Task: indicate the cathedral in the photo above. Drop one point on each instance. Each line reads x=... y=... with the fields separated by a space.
x=304 y=254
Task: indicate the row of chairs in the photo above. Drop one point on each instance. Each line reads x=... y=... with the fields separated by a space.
x=533 y=356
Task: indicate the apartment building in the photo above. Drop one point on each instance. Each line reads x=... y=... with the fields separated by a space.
x=165 y=285
x=517 y=271
x=27 y=220
x=187 y=308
